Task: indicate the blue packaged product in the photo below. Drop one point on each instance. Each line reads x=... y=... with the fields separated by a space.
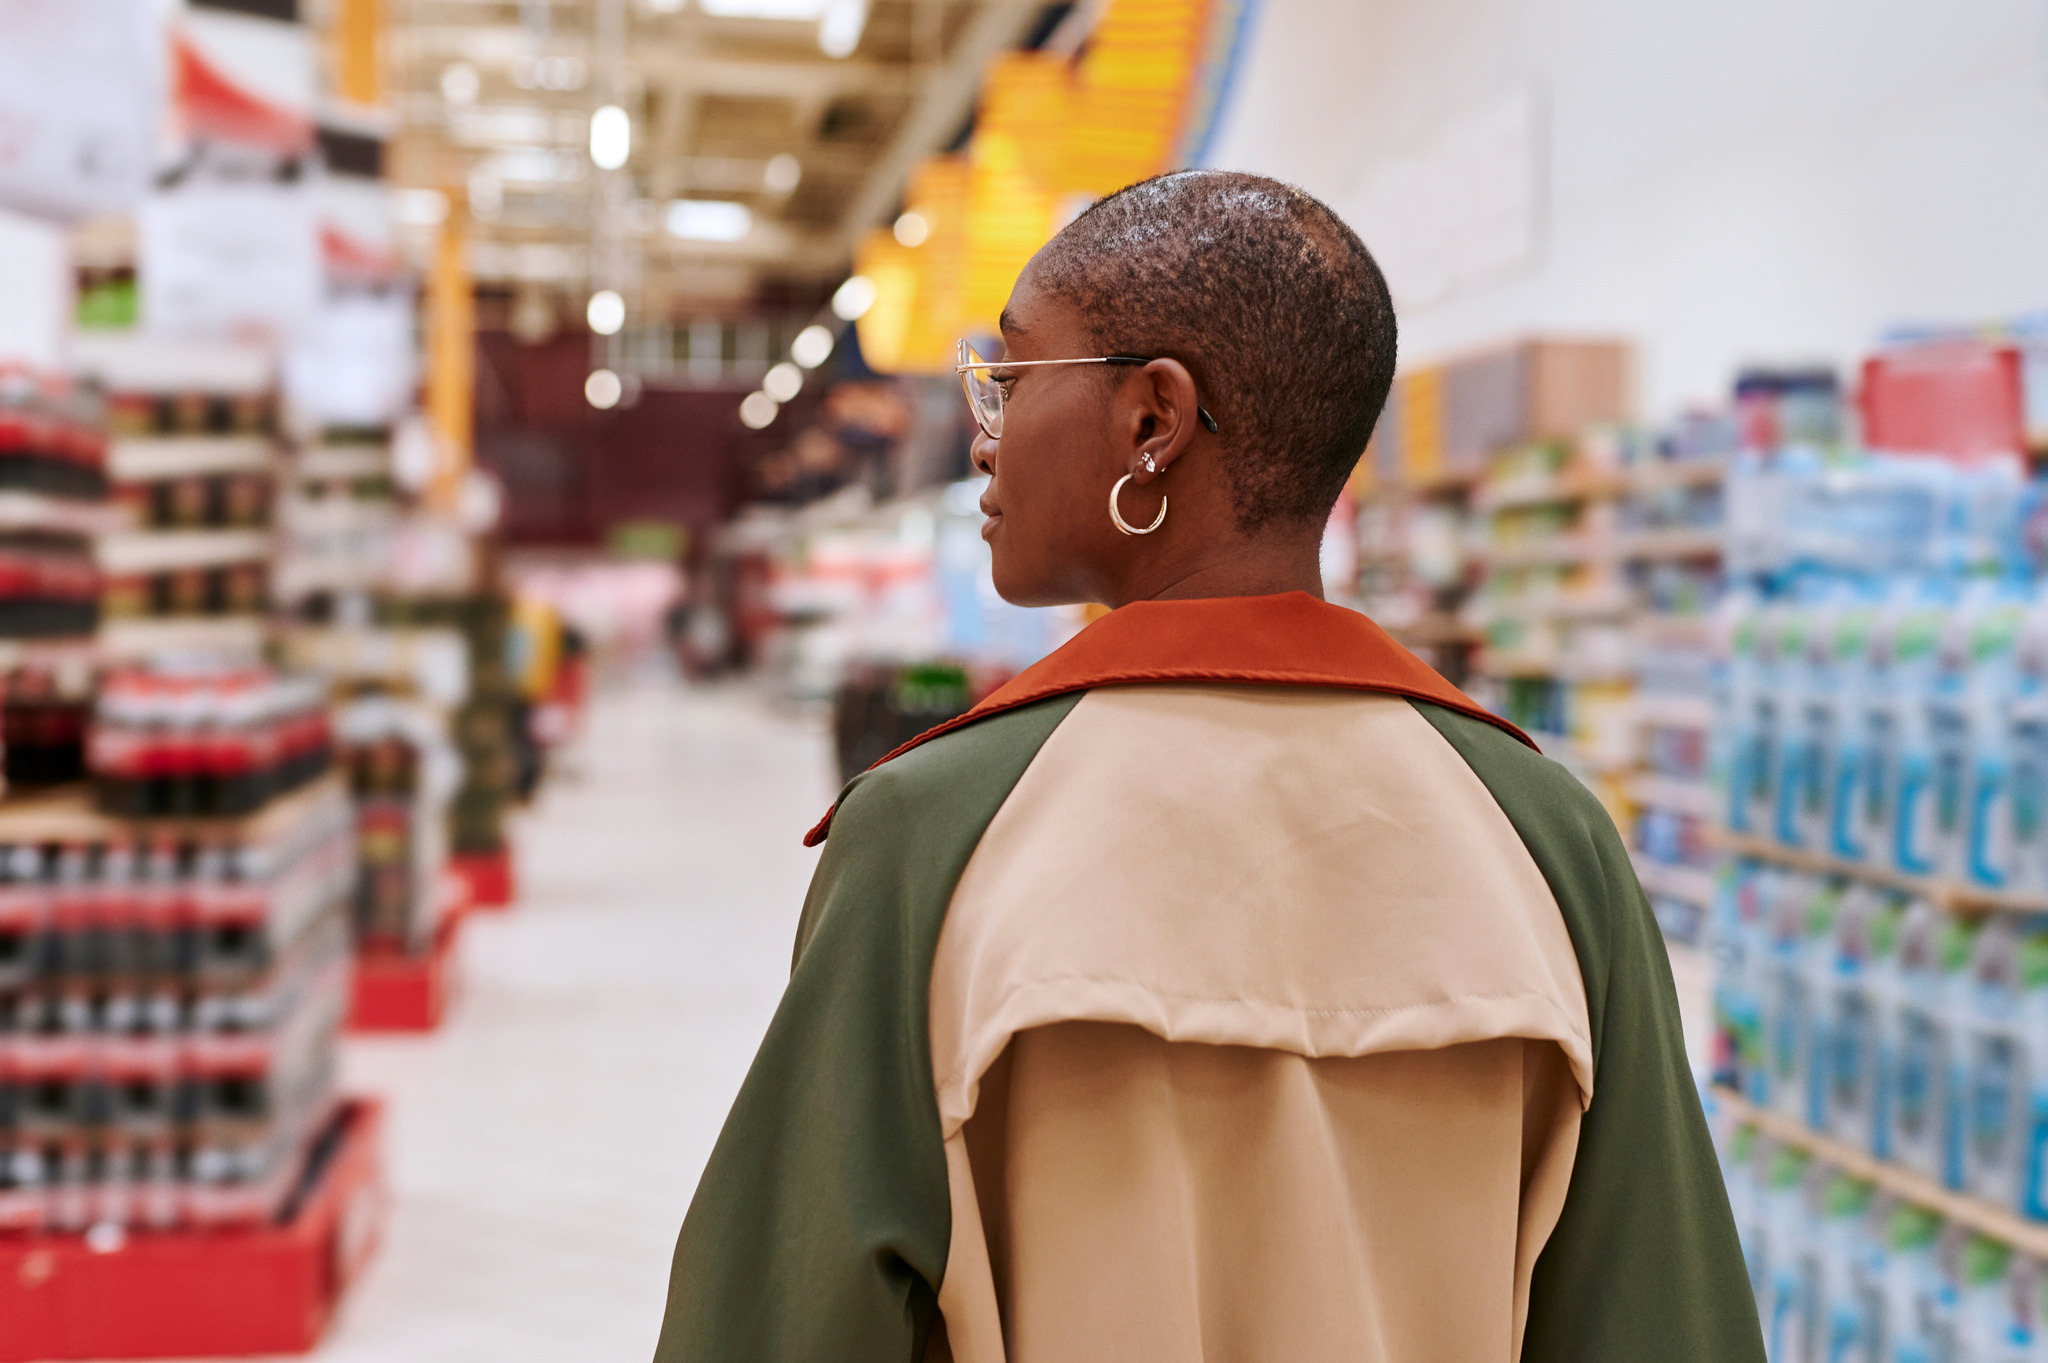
x=1793 y=988
x=1804 y=713
x=1990 y=683
x=1845 y=1320
x=1958 y=953
x=2033 y=1009
x=1855 y=685
x=1916 y=1044
x=1919 y=709
x=1866 y=944
x=1788 y=1306
x=1995 y=1051
x=2026 y=743
x=1740 y=942
x=1987 y=1329
x=1919 y=1309
x=1753 y=720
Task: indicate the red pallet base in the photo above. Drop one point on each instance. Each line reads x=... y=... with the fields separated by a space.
x=391 y=992
x=489 y=875
x=263 y=1290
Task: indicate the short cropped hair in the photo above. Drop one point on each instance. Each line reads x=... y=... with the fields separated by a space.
x=1273 y=304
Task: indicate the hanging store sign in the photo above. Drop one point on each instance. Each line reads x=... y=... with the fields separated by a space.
x=233 y=259
x=82 y=100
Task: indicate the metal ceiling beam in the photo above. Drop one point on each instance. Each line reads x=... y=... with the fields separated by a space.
x=945 y=99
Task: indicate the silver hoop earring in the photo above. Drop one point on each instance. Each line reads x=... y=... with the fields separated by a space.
x=1118 y=516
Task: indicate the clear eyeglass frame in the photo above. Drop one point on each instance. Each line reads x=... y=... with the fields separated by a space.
x=985 y=395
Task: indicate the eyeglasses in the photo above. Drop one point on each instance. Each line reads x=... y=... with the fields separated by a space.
x=985 y=395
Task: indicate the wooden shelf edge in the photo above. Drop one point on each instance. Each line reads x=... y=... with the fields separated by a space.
x=1988 y=1218
x=1948 y=896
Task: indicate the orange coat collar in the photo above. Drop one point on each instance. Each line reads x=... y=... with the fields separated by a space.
x=1287 y=640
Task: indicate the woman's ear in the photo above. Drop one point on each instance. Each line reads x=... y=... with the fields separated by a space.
x=1162 y=419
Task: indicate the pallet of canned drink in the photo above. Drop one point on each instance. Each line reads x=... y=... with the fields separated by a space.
x=170 y=995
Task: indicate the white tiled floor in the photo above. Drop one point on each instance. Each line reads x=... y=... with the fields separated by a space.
x=544 y=1144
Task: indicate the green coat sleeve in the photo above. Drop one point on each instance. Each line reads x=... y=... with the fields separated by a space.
x=1644 y=1266
x=820 y=1227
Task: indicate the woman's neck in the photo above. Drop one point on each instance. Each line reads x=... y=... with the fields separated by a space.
x=1250 y=568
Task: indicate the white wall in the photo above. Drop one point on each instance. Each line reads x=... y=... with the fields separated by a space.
x=1726 y=181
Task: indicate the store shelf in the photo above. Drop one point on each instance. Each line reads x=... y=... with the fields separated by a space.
x=166 y=551
x=66 y=815
x=1436 y=629
x=1674 y=631
x=1548 y=665
x=269 y=1289
x=149 y=459
x=1571 y=754
x=1561 y=606
x=1676 y=473
x=1668 y=792
x=58 y=515
x=343 y=461
x=142 y=636
x=1947 y=895
x=1987 y=1218
x=1674 y=712
x=1671 y=544
x=1549 y=552
x=1521 y=492
x=1688 y=883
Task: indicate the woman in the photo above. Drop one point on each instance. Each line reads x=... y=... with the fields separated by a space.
x=1228 y=985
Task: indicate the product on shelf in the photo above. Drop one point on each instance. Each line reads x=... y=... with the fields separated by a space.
x=205 y=740
x=53 y=436
x=1845 y=1269
x=402 y=771
x=170 y=994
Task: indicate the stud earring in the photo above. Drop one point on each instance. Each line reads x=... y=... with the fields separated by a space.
x=1150 y=467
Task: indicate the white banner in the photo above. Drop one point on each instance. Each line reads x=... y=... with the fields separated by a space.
x=355 y=367
x=82 y=104
x=230 y=258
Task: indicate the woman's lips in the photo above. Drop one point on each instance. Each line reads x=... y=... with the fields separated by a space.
x=995 y=517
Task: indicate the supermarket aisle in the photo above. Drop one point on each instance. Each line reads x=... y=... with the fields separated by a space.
x=544 y=1145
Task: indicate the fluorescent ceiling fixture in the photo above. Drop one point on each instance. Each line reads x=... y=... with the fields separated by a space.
x=460 y=83
x=782 y=173
x=603 y=389
x=606 y=313
x=611 y=137
x=839 y=28
x=912 y=229
x=803 y=10
x=757 y=410
x=812 y=346
x=853 y=298
x=709 y=220
x=783 y=382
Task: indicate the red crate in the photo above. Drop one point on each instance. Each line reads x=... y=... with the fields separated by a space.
x=182 y=1294
x=395 y=992
x=489 y=875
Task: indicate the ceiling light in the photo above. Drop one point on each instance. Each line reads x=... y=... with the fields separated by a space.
x=757 y=410
x=781 y=173
x=709 y=220
x=611 y=137
x=460 y=83
x=839 y=28
x=853 y=298
x=912 y=229
x=603 y=389
x=763 y=9
x=606 y=314
x=812 y=346
x=783 y=382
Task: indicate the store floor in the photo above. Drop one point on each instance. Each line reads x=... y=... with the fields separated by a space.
x=544 y=1144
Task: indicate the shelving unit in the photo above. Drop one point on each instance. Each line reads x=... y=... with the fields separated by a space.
x=1947 y=895
x=1987 y=1218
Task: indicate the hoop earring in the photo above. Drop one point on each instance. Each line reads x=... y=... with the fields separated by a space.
x=1118 y=516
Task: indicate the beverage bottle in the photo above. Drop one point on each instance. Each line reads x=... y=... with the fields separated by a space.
x=1865 y=929
x=1989 y=691
x=1849 y=643
x=1985 y=1329
x=1789 y=1002
x=2026 y=741
x=1787 y=1234
x=1997 y=1087
x=1916 y=1045
x=2033 y=1009
x=1845 y=1323
x=1916 y=639
x=1792 y=762
x=1752 y=716
x=1737 y=965
x=1958 y=952
x=1819 y=967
